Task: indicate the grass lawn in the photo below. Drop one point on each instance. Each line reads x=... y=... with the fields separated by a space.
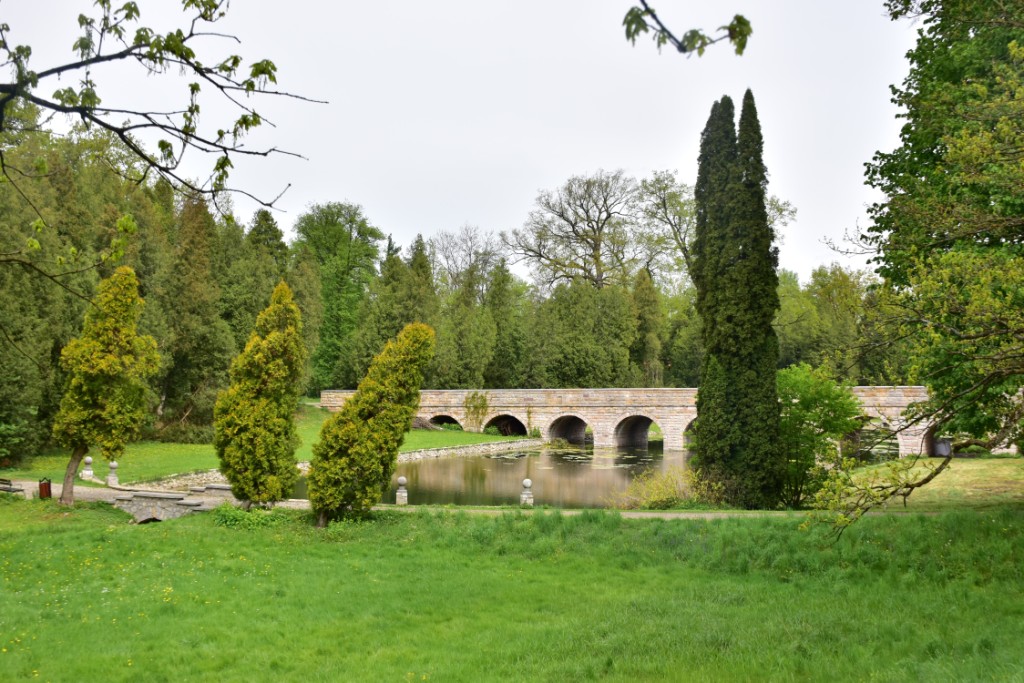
x=151 y=460
x=969 y=484
x=454 y=597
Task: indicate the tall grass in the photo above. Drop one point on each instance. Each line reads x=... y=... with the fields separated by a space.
x=443 y=596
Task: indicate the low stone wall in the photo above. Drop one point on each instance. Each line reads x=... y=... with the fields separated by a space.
x=474 y=449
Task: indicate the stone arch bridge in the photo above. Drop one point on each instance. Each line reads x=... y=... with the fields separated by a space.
x=620 y=417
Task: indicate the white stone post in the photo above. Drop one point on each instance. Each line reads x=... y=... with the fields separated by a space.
x=526 y=497
x=401 y=495
x=112 y=475
x=87 y=472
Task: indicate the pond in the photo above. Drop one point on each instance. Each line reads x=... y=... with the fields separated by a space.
x=577 y=477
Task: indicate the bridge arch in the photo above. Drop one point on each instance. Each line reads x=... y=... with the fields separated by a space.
x=508 y=425
x=572 y=428
x=442 y=420
x=632 y=431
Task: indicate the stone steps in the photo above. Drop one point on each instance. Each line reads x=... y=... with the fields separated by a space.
x=146 y=506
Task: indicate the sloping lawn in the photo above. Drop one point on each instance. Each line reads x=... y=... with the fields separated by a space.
x=525 y=597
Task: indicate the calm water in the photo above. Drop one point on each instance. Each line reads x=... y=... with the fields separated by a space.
x=571 y=478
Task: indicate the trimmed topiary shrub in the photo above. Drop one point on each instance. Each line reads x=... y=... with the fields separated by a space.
x=358 y=445
x=254 y=424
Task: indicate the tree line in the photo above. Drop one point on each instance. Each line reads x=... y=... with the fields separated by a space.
x=609 y=301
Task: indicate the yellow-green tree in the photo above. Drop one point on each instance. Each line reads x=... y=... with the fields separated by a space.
x=254 y=426
x=358 y=446
x=105 y=397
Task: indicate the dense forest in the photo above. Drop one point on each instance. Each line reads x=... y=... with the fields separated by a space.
x=608 y=302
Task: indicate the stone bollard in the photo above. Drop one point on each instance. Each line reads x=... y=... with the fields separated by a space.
x=87 y=472
x=112 y=475
x=401 y=495
x=526 y=497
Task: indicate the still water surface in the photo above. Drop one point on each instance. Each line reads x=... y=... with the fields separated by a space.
x=568 y=478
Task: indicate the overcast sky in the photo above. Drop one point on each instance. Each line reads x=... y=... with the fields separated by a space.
x=445 y=113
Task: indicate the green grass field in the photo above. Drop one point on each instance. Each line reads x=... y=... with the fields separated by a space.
x=457 y=597
x=151 y=460
x=969 y=484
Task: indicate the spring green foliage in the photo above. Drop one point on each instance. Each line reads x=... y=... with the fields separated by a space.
x=355 y=456
x=948 y=232
x=254 y=426
x=642 y=18
x=737 y=299
x=816 y=413
x=404 y=293
x=105 y=398
x=676 y=488
x=112 y=35
x=343 y=244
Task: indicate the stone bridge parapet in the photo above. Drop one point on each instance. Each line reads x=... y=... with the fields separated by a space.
x=618 y=417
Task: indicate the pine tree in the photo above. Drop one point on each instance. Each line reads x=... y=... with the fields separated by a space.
x=645 y=354
x=201 y=344
x=254 y=427
x=267 y=236
x=506 y=303
x=355 y=456
x=737 y=298
x=105 y=400
x=466 y=338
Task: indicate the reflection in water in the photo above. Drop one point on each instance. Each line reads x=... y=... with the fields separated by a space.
x=577 y=477
x=568 y=478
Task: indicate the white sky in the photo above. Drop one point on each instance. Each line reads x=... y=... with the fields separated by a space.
x=450 y=112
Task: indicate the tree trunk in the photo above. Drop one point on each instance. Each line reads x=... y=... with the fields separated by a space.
x=67 y=491
x=321 y=520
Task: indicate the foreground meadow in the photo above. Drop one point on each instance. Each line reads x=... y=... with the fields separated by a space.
x=456 y=597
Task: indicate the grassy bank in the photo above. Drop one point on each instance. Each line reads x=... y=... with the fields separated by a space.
x=453 y=597
x=151 y=460
x=969 y=484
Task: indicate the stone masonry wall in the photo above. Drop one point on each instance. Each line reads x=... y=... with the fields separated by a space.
x=620 y=416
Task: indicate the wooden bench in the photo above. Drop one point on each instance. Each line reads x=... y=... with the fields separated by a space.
x=8 y=486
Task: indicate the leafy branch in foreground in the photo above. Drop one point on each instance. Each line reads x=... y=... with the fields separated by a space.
x=642 y=19
x=849 y=492
x=114 y=35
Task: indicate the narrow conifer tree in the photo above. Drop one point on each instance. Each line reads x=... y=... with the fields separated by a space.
x=736 y=279
x=105 y=398
x=358 y=446
x=254 y=426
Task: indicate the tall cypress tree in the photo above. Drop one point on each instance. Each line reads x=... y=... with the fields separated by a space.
x=736 y=280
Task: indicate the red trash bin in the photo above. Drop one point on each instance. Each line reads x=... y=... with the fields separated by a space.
x=44 y=488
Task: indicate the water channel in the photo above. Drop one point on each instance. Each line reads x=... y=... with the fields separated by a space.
x=575 y=477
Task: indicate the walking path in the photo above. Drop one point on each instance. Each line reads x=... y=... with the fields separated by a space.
x=107 y=495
